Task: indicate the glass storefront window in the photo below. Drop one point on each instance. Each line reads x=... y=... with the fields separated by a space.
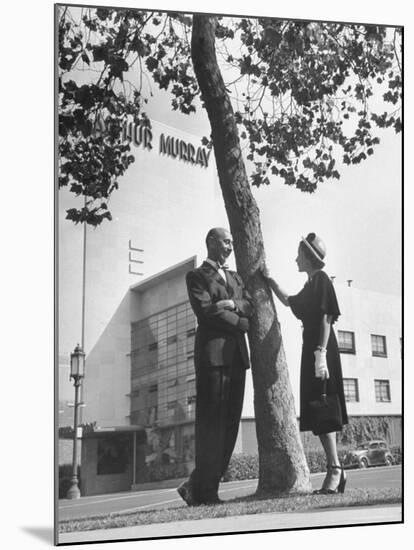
x=113 y=455
x=168 y=370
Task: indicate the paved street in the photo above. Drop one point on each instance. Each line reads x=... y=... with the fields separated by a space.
x=382 y=477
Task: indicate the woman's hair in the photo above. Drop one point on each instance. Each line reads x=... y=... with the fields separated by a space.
x=315 y=263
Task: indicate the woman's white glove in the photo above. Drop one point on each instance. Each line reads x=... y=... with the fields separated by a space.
x=321 y=367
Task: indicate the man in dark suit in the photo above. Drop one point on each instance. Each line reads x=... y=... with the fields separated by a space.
x=222 y=306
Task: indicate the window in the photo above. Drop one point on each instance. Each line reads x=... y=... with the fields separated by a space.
x=113 y=453
x=351 y=389
x=190 y=394
x=382 y=391
x=181 y=308
x=172 y=339
x=346 y=341
x=379 y=347
x=188 y=446
x=152 y=415
x=164 y=342
x=171 y=408
x=191 y=401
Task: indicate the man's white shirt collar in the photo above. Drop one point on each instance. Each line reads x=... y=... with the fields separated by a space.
x=219 y=270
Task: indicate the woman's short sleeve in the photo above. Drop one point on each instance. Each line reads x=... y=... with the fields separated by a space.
x=325 y=296
x=298 y=305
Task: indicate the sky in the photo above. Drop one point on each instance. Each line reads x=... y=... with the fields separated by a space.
x=27 y=227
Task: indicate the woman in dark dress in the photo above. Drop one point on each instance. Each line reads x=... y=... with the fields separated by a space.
x=317 y=307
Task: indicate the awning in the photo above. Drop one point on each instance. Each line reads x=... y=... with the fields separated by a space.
x=89 y=432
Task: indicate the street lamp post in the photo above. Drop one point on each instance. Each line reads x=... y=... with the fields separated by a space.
x=77 y=372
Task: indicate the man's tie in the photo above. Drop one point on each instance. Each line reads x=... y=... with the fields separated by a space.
x=221 y=269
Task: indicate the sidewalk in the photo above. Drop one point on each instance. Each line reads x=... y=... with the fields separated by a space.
x=240 y=524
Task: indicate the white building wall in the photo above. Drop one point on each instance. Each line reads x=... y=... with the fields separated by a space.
x=164 y=290
x=366 y=313
x=107 y=380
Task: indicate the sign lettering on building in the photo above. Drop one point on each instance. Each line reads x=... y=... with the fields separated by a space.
x=141 y=136
x=178 y=148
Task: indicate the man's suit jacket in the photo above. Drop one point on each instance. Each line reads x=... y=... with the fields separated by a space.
x=219 y=335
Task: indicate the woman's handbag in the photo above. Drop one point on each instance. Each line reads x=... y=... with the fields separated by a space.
x=325 y=412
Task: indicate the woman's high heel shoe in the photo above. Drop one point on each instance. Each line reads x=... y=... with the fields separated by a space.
x=342 y=481
x=340 y=488
x=321 y=491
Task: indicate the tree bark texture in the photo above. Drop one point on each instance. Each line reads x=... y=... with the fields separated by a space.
x=282 y=463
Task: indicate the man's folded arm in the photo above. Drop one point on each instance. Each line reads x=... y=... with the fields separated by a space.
x=208 y=312
x=244 y=305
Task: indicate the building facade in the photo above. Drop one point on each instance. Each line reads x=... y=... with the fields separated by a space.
x=369 y=338
x=162 y=369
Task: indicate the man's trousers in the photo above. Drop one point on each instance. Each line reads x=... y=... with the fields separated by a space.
x=219 y=402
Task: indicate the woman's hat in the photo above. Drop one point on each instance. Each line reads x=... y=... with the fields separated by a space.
x=316 y=245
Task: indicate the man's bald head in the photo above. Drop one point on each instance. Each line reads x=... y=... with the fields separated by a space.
x=219 y=244
x=216 y=233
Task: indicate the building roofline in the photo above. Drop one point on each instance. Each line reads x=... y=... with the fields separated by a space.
x=365 y=291
x=113 y=430
x=66 y=432
x=189 y=263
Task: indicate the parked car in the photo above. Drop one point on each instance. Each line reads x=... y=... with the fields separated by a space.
x=370 y=453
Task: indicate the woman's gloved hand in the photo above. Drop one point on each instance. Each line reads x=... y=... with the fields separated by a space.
x=321 y=367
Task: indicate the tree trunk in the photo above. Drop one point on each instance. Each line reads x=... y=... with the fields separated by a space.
x=282 y=463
